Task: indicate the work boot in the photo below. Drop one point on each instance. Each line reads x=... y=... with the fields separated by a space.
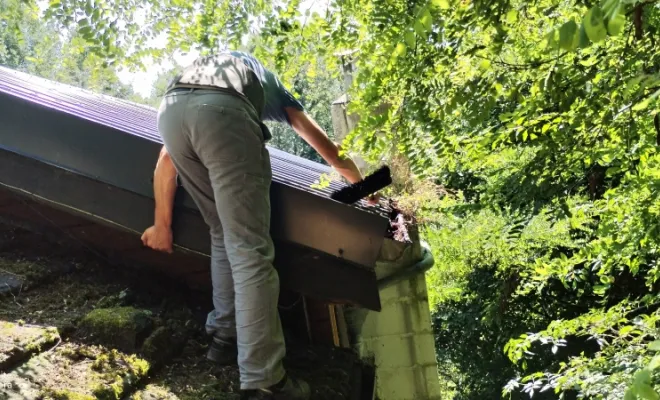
x=223 y=351
x=287 y=389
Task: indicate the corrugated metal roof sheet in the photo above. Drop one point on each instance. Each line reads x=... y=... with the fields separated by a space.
x=140 y=120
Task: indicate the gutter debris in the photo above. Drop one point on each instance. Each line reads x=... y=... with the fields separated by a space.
x=400 y=225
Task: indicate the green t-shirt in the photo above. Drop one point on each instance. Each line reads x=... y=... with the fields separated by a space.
x=276 y=96
x=243 y=74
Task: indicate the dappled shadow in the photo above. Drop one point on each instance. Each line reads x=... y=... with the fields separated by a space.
x=224 y=72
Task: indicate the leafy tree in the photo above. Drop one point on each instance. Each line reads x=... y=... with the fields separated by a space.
x=23 y=37
x=32 y=45
x=159 y=87
x=537 y=119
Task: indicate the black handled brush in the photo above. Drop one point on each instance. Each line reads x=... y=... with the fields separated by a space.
x=376 y=181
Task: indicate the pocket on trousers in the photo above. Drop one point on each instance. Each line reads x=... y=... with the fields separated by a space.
x=221 y=134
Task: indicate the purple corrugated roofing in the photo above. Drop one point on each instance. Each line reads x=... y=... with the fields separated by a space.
x=140 y=120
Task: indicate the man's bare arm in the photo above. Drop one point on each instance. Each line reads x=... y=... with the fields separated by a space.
x=164 y=188
x=159 y=236
x=312 y=133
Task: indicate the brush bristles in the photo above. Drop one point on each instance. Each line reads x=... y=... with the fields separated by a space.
x=369 y=185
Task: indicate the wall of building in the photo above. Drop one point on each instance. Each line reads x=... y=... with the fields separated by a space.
x=399 y=339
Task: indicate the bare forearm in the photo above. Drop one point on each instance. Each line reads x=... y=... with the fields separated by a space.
x=313 y=134
x=164 y=190
x=347 y=168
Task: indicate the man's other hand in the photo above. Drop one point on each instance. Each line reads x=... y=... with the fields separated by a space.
x=374 y=199
x=159 y=238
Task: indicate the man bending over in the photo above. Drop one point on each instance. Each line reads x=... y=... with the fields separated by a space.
x=211 y=121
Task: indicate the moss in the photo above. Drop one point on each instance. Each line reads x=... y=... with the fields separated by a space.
x=33 y=347
x=113 y=359
x=52 y=334
x=120 y=327
x=163 y=345
x=91 y=372
x=119 y=373
x=111 y=391
x=154 y=392
x=115 y=390
x=104 y=362
x=138 y=366
x=70 y=354
x=64 y=395
x=87 y=352
x=23 y=341
x=116 y=318
x=36 y=345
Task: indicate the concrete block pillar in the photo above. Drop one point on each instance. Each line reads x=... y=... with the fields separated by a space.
x=399 y=339
x=343 y=122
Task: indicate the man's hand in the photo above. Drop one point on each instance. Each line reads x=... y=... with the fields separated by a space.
x=159 y=238
x=374 y=199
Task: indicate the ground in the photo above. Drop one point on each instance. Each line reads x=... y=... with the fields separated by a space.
x=74 y=326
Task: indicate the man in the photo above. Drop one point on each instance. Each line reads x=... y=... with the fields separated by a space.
x=211 y=124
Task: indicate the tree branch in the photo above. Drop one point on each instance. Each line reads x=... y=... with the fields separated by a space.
x=533 y=64
x=643 y=4
x=638 y=21
x=640 y=98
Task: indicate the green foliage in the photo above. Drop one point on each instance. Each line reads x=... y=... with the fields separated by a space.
x=30 y=44
x=536 y=118
x=64 y=395
x=316 y=88
x=479 y=295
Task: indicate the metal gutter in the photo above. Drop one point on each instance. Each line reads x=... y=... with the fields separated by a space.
x=407 y=272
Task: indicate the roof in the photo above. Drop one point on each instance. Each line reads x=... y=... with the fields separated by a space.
x=140 y=120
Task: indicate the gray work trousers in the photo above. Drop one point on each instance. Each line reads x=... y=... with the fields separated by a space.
x=216 y=144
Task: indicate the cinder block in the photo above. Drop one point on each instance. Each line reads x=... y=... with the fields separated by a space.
x=404 y=384
x=411 y=288
x=399 y=338
x=399 y=351
x=397 y=318
x=432 y=382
